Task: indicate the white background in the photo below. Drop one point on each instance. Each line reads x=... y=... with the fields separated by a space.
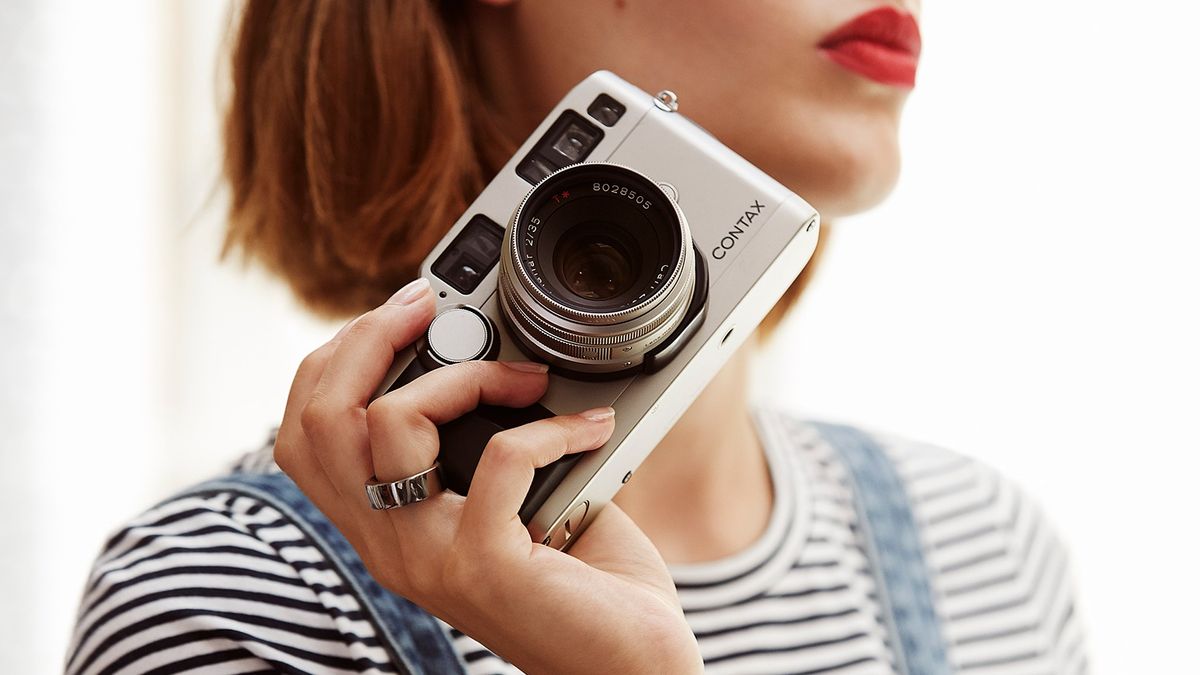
x=1028 y=295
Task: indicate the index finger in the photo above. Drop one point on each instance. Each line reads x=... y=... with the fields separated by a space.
x=368 y=348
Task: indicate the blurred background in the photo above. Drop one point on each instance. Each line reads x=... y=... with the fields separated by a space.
x=1028 y=295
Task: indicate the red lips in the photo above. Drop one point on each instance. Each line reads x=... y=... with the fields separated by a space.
x=883 y=44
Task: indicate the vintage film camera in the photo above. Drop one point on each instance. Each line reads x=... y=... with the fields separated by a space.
x=630 y=250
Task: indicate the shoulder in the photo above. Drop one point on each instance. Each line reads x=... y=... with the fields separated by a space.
x=951 y=492
x=218 y=578
x=1000 y=569
x=972 y=515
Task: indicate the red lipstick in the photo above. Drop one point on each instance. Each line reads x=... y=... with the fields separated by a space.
x=883 y=44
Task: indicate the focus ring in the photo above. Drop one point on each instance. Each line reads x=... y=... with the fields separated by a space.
x=573 y=337
x=572 y=346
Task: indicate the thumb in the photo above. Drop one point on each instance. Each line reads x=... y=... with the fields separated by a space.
x=615 y=544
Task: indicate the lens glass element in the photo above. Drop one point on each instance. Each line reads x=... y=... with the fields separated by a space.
x=593 y=262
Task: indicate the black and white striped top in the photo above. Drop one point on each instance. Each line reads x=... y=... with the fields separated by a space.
x=226 y=584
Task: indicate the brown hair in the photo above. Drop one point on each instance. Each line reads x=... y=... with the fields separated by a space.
x=350 y=148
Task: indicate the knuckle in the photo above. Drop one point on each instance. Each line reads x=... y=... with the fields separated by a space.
x=315 y=362
x=504 y=448
x=568 y=435
x=378 y=412
x=366 y=325
x=599 y=434
x=284 y=454
x=315 y=416
x=389 y=413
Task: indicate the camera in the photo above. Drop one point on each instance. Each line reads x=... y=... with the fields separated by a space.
x=631 y=251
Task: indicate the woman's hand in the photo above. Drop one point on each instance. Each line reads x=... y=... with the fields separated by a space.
x=608 y=607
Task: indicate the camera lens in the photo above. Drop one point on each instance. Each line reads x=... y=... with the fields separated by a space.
x=597 y=268
x=593 y=264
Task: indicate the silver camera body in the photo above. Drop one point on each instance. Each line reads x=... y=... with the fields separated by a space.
x=637 y=253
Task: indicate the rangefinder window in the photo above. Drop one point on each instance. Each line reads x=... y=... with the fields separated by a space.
x=606 y=110
x=471 y=255
x=570 y=140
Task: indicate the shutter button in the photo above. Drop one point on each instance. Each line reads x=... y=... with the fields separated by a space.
x=458 y=334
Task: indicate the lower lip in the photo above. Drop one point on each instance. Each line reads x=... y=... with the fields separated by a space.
x=875 y=61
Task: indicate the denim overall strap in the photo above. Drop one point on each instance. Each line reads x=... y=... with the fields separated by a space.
x=890 y=536
x=416 y=643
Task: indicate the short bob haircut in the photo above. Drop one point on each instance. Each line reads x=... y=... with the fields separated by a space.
x=349 y=146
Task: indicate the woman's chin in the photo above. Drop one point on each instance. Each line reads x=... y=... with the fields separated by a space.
x=854 y=194
x=846 y=183
x=842 y=162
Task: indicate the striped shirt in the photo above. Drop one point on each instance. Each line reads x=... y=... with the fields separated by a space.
x=226 y=584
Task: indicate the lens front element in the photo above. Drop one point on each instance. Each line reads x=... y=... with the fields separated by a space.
x=597 y=268
x=593 y=264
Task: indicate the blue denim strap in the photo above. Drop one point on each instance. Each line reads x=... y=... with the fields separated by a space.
x=416 y=643
x=890 y=537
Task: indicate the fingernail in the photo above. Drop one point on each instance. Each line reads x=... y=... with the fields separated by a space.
x=598 y=414
x=412 y=292
x=349 y=323
x=527 y=366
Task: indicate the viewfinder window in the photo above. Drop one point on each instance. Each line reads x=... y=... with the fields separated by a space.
x=472 y=254
x=569 y=141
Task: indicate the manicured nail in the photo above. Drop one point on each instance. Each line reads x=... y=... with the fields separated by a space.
x=527 y=366
x=598 y=414
x=413 y=291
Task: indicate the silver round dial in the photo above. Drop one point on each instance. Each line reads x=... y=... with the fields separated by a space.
x=459 y=334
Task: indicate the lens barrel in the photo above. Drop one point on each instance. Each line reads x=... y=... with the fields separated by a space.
x=597 y=268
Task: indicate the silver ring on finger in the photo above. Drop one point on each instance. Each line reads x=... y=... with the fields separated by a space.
x=415 y=488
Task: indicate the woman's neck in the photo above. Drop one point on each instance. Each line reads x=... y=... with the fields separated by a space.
x=705 y=491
